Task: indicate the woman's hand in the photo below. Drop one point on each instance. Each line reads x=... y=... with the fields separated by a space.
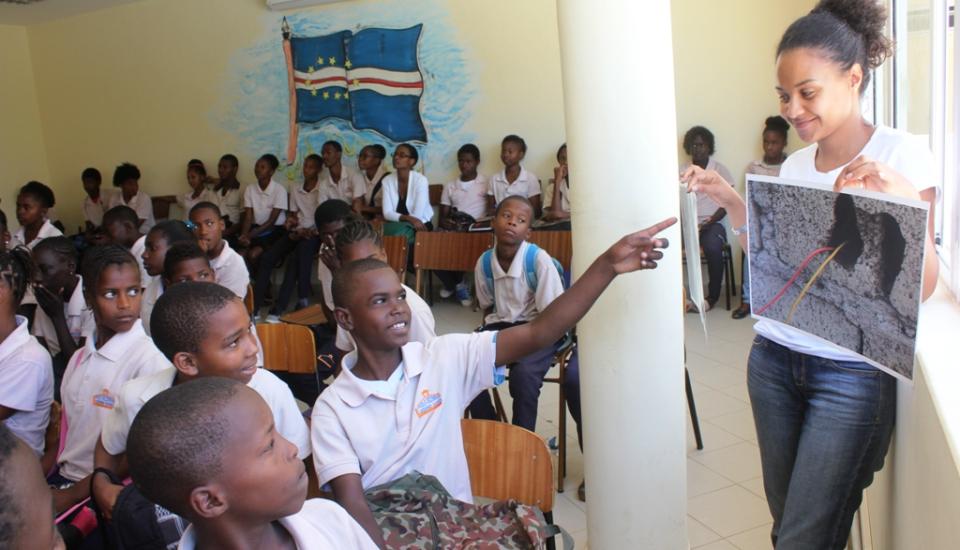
x=866 y=173
x=712 y=184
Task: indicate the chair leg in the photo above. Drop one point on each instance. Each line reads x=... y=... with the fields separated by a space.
x=693 y=410
x=551 y=542
x=430 y=284
x=562 y=436
x=733 y=277
x=498 y=405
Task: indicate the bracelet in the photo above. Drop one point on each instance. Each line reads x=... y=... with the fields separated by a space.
x=740 y=230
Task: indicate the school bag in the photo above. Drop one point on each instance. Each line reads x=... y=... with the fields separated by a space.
x=529 y=269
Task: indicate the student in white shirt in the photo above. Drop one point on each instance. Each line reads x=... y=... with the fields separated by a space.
x=228 y=197
x=205 y=331
x=197 y=180
x=339 y=181
x=558 y=207
x=209 y=226
x=94 y=201
x=406 y=193
x=63 y=321
x=370 y=162
x=33 y=201
x=127 y=178
x=196 y=444
x=118 y=351
x=266 y=205
x=160 y=238
x=514 y=179
x=466 y=195
x=26 y=373
x=396 y=405
x=824 y=418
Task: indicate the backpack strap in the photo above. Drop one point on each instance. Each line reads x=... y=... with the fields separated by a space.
x=486 y=264
x=530 y=266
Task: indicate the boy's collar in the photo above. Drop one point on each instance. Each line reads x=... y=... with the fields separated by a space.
x=354 y=393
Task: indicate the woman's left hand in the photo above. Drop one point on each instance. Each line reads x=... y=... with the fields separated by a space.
x=866 y=173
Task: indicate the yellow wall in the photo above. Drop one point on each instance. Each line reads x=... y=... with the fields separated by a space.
x=22 y=153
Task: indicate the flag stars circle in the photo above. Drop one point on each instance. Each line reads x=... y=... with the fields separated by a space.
x=333 y=60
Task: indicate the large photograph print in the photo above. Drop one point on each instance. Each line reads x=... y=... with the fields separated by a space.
x=844 y=267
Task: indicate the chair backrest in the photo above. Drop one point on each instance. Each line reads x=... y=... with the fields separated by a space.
x=248 y=299
x=396 y=249
x=507 y=461
x=436 y=191
x=558 y=244
x=288 y=348
x=161 y=206
x=448 y=251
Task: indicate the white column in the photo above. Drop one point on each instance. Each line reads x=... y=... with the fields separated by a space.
x=618 y=84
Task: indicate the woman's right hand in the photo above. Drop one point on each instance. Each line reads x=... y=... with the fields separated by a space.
x=712 y=184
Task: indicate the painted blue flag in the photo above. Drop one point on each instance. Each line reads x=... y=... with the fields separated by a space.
x=320 y=77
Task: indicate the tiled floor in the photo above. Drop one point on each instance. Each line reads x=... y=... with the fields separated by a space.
x=726 y=508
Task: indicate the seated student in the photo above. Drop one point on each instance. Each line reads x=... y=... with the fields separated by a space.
x=33 y=201
x=266 y=204
x=339 y=181
x=192 y=450
x=301 y=238
x=698 y=142
x=205 y=331
x=26 y=373
x=511 y=301
x=127 y=178
x=228 y=197
x=120 y=228
x=93 y=202
x=25 y=517
x=159 y=239
x=358 y=240
x=331 y=216
x=197 y=180
x=118 y=351
x=466 y=196
x=208 y=227
x=558 y=209
x=406 y=193
x=514 y=179
x=396 y=405
x=370 y=162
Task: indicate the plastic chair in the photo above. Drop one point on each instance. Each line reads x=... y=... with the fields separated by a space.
x=248 y=299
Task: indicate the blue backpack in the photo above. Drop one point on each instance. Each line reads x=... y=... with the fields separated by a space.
x=529 y=270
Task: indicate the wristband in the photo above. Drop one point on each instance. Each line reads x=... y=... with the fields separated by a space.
x=740 y=230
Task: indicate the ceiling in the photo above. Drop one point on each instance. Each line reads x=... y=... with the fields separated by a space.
x=40 y=11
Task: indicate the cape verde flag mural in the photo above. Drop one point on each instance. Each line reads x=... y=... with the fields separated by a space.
x=371 y=78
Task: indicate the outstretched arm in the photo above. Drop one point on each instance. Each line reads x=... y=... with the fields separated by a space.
x=714 y=186
x=640 y=250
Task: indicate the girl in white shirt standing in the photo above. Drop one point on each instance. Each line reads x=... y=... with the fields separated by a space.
x=824 y=418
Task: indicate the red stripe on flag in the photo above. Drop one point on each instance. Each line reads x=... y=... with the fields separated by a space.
x=390 y=83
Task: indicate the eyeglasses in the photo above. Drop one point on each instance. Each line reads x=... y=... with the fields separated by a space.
x=402 y=155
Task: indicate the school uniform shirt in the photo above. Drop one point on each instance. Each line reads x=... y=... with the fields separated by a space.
x=422 y=323
x=304 y=204
x=326 y=283
x=418 y=197
x=141 y=203
x=469 y=197
x=761 y=168
x=187 y=201
x=134 y=394
x=230 y=204
x=350 y=186
x=137 y=251
x=383 y=432
x=47 y=230
x=512 y=298
x=93 y=210
x=321 y=524
x=26 y=385
x=564 y=195
x=526 y=185
x=151 y=293
x=369 y=184
x=707 y=207
x=89 y=391
x=79 y=317
x=263 y=201
x=910 y=156
x=231 y=271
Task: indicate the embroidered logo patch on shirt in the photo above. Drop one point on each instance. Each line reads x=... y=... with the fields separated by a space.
x=103 y=400
x=429 y=403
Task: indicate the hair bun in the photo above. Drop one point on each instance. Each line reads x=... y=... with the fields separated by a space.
x=778 y=123
x=867 y=18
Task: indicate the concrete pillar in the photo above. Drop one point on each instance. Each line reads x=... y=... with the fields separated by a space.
x=618 y=82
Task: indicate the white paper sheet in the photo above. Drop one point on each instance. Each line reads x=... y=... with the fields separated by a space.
x=691 y=243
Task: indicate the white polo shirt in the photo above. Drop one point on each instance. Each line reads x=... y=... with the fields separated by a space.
x=137 y=251
x=26 y=385
x=350 y=186
x=382 y=436
x=320 y=525
x=134 y=394
x=513 y=299
x=93 y=211
x=422 y=323
x=141 y=203
x=230 y=204
x=263 y=201
x=326 y=284
x=564 y=195
x=467 y=196
x=151 y=293
x=526 y=185
x=80 y=320
x=19 y=238
x=370 y=183
x=304 y=203
x=231 y=270
x=89 y=391
x=187 y=201
x=418 y=197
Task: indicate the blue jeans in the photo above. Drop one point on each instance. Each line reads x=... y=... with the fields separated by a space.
x=823 y=428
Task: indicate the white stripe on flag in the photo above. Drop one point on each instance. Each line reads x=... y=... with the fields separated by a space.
x=386 y=90
x=382 y=74
x=326 y=72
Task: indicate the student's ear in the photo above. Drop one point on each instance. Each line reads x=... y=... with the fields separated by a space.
x=856 y=77
x=208 y=501
x=343 y=318
x=223 y=225
x=526 y=235
x=186 y=363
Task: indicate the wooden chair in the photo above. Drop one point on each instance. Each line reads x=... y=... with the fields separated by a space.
x=729 y=278
x=447 y=251
x=161 y=206
x=308 y=316
x=248 y=299
x=288 y=348
x=436 y=191
x=396 y=249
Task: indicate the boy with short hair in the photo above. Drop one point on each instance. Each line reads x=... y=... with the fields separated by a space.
x=205 y=331
x=339 y=181
x=465 y=195
x=187 y=262
x=396 y=405
x=126 y=177
x=94 y=201
x=209 y=229
x=514 y=179
x=209 y=451
x=25 y=518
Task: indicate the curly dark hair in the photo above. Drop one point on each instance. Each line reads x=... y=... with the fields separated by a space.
x=702 y=132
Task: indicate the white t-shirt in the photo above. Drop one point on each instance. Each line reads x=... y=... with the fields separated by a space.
x=761 y=168
x=513 y=299
x=89 y=391
x=229 y=203
x=231 y=270
x=187 y=201
x=141 y=203
x=304 y=204
x=263 y=201
x=320 y=525
x=467 y=196
x=905 y=153
x=564 y=195
x=80 y=320
x=370 y=184
x=137 y=251
x=383 y=437
x=134 y=394
x=26 y=385
x=706 y=206
x=422 y=323
x=526 y=185
x=19 y=238
x=418 y=197
x=350 y=186
x=93 y=211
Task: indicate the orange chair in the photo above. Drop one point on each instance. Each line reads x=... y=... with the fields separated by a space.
x=288 y=348
x=396 y=248
x=248 y=299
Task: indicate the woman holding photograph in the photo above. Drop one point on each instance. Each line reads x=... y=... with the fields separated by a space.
x=824 y=418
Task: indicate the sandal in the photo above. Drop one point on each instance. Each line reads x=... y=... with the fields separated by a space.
x=742 y=311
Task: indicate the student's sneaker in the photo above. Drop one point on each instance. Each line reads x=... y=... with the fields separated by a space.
x=273 y=319
x=463 y=294
x=444 y=293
